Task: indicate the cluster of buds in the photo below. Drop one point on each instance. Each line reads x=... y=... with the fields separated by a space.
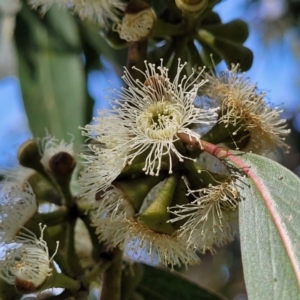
x=150 y=190
x=134 y=22
x=27 y=262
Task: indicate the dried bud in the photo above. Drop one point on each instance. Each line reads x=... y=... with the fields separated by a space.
x=191 y=6
x=137 y=23
x=62 y=164
x=58 y=158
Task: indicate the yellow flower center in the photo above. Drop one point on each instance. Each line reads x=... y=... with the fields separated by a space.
x=160 y=121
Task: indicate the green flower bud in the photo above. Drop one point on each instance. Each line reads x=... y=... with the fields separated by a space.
x=156 y=215
x=180 y=199
x=135 y=190
x=235 y=31
x=29 y=155
x=191 y=6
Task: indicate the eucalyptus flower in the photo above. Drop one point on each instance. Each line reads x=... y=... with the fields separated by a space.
x=119 y=228
x=245 y=109
x=211 y=219
x=119 y=223
x=147 y=116
x=17 y=206
x=101 y=168
x=112 y=210
x=26 y=263
x=168 y=250
x=99 y=11
x=16 y=177
x=137 y=23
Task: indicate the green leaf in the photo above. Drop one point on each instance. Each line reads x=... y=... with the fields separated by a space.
x=211 y=18
x=236 y=31
x=231 y=52
x=269 y=224
x=51 y=73
x=102 y=42
x=163 y=284
x=234 y=53
x=269 y=229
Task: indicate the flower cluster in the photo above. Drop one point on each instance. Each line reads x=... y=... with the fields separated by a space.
x=26 y=262
x=145 y=120
x=210 y=219
x=246 y=111
x=95 y=10
x=151 y=192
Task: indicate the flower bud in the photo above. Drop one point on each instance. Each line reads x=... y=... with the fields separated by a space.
x=179 y=199
x=191 y=6
x=57 y=157
x=29 y=155
x=137 y=23
x=155 y=216
x=62 y=164
x=136 y=189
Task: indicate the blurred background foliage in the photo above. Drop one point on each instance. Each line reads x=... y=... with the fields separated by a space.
x=55 y=68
